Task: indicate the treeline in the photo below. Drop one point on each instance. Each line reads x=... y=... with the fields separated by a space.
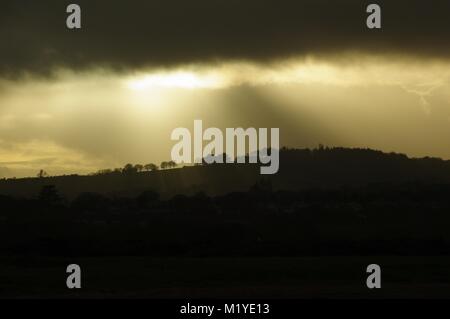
x=410 y=219
x=136 y=168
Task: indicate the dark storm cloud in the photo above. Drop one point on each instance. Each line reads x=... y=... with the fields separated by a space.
x=132 y=34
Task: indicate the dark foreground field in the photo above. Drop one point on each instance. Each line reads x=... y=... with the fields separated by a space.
x=301 y=277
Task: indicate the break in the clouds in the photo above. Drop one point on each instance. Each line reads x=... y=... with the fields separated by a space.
x=135 y=34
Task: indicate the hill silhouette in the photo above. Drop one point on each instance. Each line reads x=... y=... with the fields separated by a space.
x=300 y=169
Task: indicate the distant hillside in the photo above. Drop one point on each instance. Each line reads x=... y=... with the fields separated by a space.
x=299 y=169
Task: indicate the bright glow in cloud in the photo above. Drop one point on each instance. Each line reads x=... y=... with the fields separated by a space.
x=414 y=77
x=178 y=79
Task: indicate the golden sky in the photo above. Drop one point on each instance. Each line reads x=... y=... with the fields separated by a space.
x=79 y=122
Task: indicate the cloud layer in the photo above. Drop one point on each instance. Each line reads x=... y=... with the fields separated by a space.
x=129 y=35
